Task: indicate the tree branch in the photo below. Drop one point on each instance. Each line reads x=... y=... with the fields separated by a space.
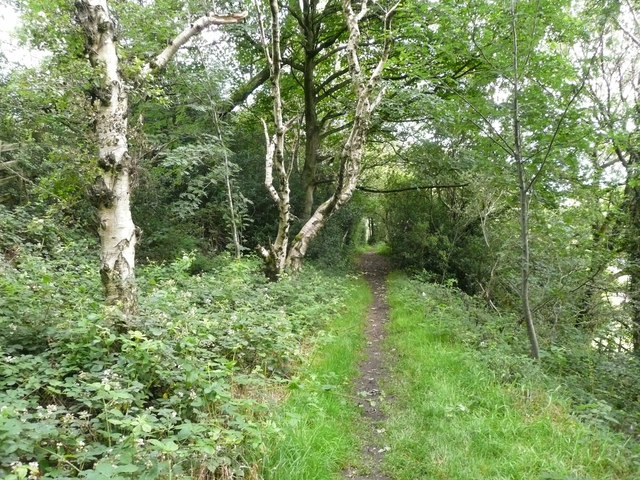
x=159 y=62
x=329 y=41
x=241 y=94
x=631 y=36
x=333 y=89
x=332 y=77
x=558 y=126
x=407 y=189
x=503 y=144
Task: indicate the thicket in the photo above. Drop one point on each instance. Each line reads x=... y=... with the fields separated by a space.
x=176 y=393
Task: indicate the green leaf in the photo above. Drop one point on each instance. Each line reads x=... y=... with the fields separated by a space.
x=165 y=445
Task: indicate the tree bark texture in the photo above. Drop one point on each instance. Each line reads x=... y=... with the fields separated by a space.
x=309 y=28
x=275 y=256
x=112 y=189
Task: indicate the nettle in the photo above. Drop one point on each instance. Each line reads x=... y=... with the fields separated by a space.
x=174 y=395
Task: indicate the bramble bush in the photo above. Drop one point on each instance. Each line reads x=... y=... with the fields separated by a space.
x=174 y=395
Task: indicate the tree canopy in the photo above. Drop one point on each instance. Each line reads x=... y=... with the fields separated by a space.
x=493 y=146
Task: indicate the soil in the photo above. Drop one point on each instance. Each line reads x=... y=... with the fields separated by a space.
x=373 y=370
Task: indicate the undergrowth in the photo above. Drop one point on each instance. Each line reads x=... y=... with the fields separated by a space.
x=316 y=436
x=469 y=405
x=179 y=394
x=601 y=385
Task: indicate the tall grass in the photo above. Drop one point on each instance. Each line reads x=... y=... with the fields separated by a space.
x=451 y=418
x=316 y=434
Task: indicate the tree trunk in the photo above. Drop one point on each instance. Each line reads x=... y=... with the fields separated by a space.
x=634 y=302
x=311 y=127
x=235 y=234
x=523 y=188
x=584 y=316
x=348 y=177
x=275 y=257
x=112 y=189
x=525 y=260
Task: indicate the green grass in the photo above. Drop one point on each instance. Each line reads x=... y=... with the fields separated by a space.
x=451 y=419
x=380 y=248
x=316 y=438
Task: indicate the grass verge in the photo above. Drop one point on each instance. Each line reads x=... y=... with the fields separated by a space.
x=314 y=427
x=452 y=419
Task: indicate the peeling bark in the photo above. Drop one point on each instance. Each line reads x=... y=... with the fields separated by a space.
x=368 y=97
x=276 y=255
x=111 y=191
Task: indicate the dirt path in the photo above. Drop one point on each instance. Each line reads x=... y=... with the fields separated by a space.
x=367 y=386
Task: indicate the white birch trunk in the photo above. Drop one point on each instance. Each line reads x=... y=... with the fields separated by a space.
x=275 y=256
x=112 y=189
x=368 y=96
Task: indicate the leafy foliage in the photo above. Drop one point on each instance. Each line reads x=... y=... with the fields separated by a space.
x=172 y=396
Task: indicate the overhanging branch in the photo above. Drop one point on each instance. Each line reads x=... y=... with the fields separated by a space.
x=187 y=34
x=407 y=189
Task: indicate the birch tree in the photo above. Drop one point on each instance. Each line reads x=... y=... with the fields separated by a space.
x=366 y=85
x=111 y=191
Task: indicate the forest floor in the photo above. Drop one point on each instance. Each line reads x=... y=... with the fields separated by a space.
x=373 y=369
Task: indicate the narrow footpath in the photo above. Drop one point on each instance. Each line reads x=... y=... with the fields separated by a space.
x=367 y=386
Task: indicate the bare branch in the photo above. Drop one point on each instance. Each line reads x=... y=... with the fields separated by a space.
x=407 y=189
x=187 y=34
x=629 y=34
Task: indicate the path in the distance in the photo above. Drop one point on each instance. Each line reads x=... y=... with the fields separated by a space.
x=367 y=386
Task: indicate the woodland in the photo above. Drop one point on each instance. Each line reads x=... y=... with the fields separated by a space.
x=186 y=189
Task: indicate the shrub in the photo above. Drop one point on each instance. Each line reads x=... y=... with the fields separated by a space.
x=175 y=395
